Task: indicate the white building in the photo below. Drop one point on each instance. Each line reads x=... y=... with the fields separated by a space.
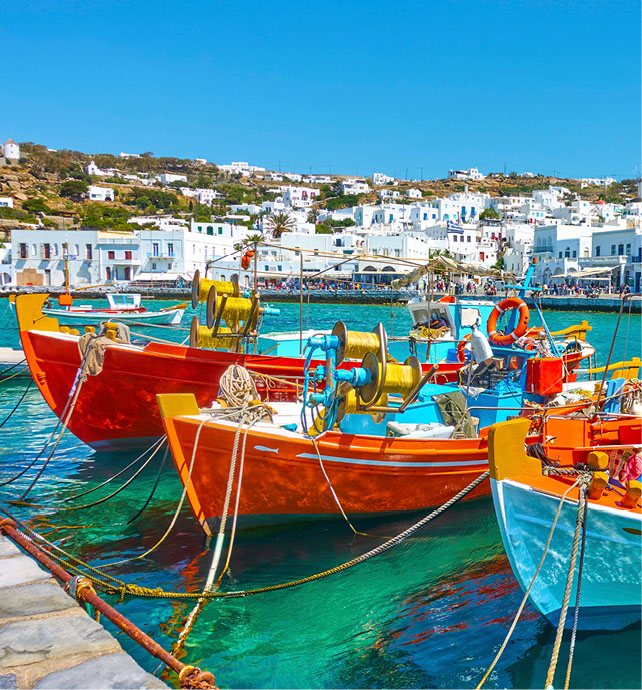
x=93 y=169
x=168 y=178
x=300 y=197
x=11 y=150
x=240 y=168
x=380 y=178
x=597 y=181
x=354 y=186
x=95 y=193
x=207 y=196
x=388 y=194
x=6 y=201
x=470 y=174
x=413 y=193
x=128 y=155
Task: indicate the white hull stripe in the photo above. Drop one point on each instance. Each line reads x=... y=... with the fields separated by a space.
x=383 y=463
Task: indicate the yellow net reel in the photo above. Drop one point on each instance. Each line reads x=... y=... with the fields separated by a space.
x=201 y=288
x=357 y=344
x=201 y=336
x=238 y=313
x=389 y=378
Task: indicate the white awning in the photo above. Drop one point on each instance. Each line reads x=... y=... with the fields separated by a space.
x=587 y=272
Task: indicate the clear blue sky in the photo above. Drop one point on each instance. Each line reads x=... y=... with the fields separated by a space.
x=359 y=86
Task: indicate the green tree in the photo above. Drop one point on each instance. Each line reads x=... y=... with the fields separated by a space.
x=74 y=189
x=36 y=206
x=279 y=223
x=489 y=214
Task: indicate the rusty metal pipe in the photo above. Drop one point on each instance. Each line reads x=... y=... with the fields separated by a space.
x=8 y=526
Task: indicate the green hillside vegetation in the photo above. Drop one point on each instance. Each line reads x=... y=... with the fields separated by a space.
x=50 y=188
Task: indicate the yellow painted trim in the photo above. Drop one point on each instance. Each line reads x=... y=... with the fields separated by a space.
x=578 y=330
x=30 y=316
x=177 y=404
x=507 y=458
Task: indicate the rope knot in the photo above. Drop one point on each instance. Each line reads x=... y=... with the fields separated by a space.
x=193 y=677
x=7 y=522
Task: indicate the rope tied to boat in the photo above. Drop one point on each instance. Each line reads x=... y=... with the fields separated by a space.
x=530 y=586
x=113 y=585
x=582 y=480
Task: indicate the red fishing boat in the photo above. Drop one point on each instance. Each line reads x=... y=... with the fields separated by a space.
x=117 y=407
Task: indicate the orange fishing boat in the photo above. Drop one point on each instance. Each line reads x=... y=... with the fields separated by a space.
x=116 y=407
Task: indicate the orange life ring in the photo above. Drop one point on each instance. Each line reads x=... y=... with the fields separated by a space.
x=520 y=328
x=461 y=354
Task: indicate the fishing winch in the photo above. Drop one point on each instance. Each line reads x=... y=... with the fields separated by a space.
x=361 y=389
x=242 y=315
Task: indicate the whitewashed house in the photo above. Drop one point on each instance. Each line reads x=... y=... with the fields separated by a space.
x=381 y=179
x=168 y=178
x=6 y=201
x=11 y=150
x=413 y=193
x=388 y=194
x=470 y=174
x=300 y=197
x=93 y=169
x=354 y=186
x=95 y=193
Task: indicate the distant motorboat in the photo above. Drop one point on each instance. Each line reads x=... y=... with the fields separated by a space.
x=123 y=307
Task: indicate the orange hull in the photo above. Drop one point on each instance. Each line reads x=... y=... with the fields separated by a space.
x=282 y=472
x=117 y=408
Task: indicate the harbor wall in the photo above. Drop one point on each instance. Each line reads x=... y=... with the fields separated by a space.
x=376 y=296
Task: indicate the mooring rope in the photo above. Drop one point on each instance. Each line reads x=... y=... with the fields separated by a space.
x=530 y=586
x=576 y=613
x=581 y=507
x=17 y=405
x=123 y=588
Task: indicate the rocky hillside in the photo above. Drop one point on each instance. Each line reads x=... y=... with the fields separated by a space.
x=49 y=187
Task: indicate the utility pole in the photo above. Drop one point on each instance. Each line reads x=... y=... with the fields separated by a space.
x=422 y=173
x=504 y=168
x=406 y=173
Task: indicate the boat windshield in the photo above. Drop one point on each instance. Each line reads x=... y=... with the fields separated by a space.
x=124 y=301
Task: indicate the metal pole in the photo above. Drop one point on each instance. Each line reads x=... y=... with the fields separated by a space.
x=301 y=303
x=256 y=281
x=608 y=361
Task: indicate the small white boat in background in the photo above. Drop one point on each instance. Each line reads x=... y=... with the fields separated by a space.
x=123 y=307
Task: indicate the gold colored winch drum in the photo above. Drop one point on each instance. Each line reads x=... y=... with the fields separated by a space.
x=201 y=288
x=356 y=344
x=201 y=336
x=234 y=311
x=400 y=379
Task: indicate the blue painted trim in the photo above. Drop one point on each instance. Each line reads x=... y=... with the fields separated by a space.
x=383 y=463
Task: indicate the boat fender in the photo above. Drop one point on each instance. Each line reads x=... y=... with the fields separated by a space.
x=480 y=346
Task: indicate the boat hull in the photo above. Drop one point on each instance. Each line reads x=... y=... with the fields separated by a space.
x=283 y=476
x=611 y=578
x=117 y=408
x=139 y=319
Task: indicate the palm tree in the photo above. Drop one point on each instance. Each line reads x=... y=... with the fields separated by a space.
x=280 y=223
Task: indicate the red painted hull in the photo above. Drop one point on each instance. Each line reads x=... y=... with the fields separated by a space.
x=282 y=475
x=117 y=408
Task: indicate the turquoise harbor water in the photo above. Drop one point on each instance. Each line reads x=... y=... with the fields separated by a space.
x=430 y=613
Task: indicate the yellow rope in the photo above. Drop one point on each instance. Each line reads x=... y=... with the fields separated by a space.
x=581 y=507
x=530 y=586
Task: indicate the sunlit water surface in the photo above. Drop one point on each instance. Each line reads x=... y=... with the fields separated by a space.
x=430 y=613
